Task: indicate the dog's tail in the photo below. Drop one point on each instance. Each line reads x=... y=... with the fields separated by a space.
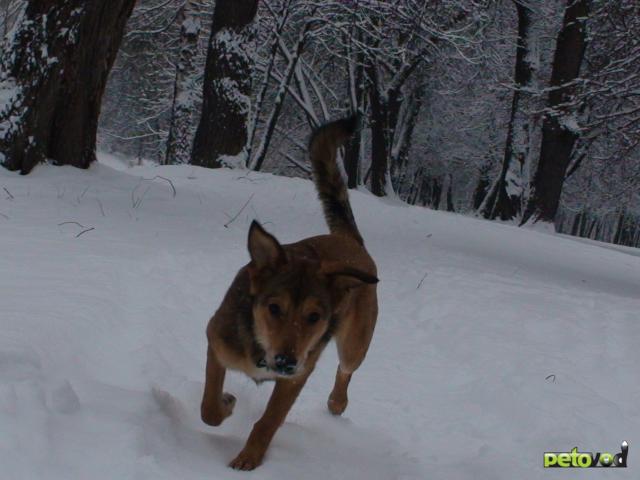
x=332 y=190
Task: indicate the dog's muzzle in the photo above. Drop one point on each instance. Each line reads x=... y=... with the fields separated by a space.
x=284 y=365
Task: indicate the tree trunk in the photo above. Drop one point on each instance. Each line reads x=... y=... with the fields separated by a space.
x=379 y=154
x=430 y=192
x=559 y=131
x=404 y=130
x=450 y=207
x=379 y=131
x=504 y=199
x=221 y=137
x=53 y=72
x=385 y=107
x=357 y=96
x=181 y=126
x=436 y=193
x=482 y=187
x=352 y=160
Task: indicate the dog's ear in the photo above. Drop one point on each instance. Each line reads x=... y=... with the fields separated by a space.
x=264 y=249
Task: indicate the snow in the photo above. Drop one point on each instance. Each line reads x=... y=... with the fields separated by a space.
x=570 y=122
x=234 y=161
x=191 y=27
x=494 y=343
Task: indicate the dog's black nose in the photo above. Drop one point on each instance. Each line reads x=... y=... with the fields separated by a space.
x=285 y=364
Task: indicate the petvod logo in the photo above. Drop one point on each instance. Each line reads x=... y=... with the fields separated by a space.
x=576 y=459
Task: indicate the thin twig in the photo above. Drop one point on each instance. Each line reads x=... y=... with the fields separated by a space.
x=296 y=163
x=101 y=207
x=10 y=197
x=75 y=223
x=422 y=280
x=226 y=225
x=85 y=231
x=136 y=202
x=166 y=180
x=82 y=194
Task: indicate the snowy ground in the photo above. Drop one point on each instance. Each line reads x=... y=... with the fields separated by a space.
x=515 y=342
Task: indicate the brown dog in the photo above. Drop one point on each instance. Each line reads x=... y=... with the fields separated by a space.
x=288 y=302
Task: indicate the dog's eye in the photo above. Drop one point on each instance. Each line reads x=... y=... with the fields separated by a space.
x=313 y=317
x=274 y=309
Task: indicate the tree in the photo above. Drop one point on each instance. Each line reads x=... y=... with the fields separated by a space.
x=505 y=198
x=357 y=88
x=293 y=58
x=53 y=72
x=464 y=129
x=155 y=87
x=221 y=137
x=401 y=39
x=180 y=138
x=559 y=127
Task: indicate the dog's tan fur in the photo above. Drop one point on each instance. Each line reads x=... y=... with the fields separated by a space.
x=288 y=302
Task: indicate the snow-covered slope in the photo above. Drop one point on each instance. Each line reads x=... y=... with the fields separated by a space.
x=494 y=344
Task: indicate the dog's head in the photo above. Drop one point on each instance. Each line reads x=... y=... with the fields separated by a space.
x=294 y=300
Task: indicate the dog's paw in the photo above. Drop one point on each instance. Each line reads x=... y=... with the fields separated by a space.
x=337 y=405
x=246 y=460
x=214 y=416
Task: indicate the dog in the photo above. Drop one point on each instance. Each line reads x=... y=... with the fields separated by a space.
x=289 y=301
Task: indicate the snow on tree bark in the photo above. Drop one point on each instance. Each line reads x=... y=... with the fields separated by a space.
x=53 y=71
x=221 y=137
x=183 y=116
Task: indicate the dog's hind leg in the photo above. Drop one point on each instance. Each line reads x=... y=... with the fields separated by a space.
x=338 y=399
x=352 y=342
x=350 y=360
x=216 y=405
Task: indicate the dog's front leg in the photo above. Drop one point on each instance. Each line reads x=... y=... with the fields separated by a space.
x=284 y=395
x=216 y=406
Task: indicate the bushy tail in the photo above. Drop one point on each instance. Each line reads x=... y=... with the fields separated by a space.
x=332 y=190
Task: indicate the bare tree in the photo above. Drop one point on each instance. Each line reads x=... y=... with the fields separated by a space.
x=221 y=138
x=54 y=71
x=453 y=97
x=401 y=39
x=293 y=57
x=181 y=127
x=159 y=70
x=506 y=197
x=559 y=129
